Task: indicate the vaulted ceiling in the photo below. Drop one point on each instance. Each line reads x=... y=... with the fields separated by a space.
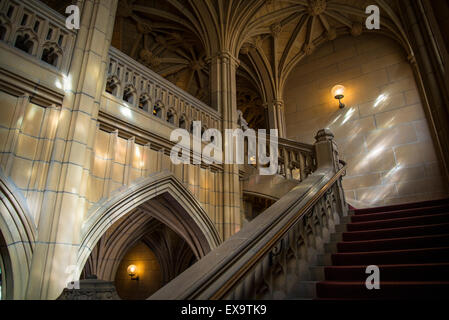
x=175 y=38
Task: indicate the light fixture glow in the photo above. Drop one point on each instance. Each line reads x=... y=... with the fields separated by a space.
x=132 y=272
x=338 y=92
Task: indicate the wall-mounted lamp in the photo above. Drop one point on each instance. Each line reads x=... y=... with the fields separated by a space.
x=338 y=93
x=132 y=272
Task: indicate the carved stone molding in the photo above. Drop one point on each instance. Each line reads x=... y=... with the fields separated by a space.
x=91 y=289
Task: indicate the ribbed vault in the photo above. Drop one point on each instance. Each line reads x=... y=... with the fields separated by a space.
x=172 y=252
x=176 y=38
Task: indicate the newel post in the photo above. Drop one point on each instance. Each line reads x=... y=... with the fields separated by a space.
x=327 y=156
x=326 y=150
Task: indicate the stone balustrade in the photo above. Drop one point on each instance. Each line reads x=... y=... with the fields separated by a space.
x=297 y=160
x=33 y=28
x=142 y=88
x=271 y=255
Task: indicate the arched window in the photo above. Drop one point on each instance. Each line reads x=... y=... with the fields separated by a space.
x=170 y=117
x=157 y=110
x=144 y=102
x=24 y=43
x=128 y=95
x=182 y=122
x=112 y=86
x=50 y=56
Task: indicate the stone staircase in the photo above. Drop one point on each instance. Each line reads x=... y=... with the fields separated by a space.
x=409 y=243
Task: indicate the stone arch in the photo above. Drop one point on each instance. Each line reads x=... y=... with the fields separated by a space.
x=113 y=85
x=320 y=41
x=145 y=102
x=176 y=208
x=130 y=95
x=26 y=40
x=170 y=116
x=183 y=122
x=17 y=236
x=158 y=109
x=52 y=54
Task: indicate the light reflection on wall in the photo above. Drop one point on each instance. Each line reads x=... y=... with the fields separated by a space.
x=381 y=100
x=66 y=84
x=126 y=112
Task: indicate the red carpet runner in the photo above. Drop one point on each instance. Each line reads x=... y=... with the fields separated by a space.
x=409 y=244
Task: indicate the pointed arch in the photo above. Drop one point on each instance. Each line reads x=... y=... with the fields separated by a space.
x=17 y=237
x=176 y=207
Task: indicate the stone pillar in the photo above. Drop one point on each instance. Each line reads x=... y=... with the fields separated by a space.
x=326 y=150
x=430 y=77
x=223 y=98
x=64 y=204
x=327 y=157
x=276 y=117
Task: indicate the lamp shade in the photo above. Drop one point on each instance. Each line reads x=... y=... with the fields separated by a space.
x=338 y=91
x=132 y=270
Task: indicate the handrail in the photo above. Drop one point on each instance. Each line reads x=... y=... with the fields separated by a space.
x=225 y=272
x=297 y=145
x=257 y=256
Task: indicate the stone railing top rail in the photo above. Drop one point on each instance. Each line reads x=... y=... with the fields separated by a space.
x=296 y=145
x=42 y=9
x=162 y=82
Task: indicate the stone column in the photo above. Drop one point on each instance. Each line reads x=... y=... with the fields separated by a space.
x=223 y=67
x=276 y=117
x=430 y=77
x=64 y=204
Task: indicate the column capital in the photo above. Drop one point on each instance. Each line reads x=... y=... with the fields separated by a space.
x=224 y=56
x=278 y=103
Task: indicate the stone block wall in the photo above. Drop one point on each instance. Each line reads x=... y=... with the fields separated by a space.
x=382 y=132
x=27 y=139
